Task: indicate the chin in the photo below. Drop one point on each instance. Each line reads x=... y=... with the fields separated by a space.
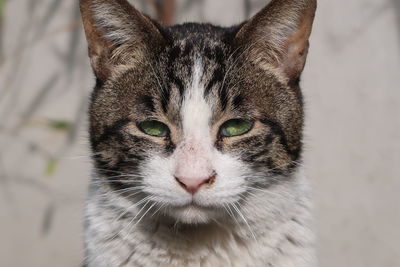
x=193 y=214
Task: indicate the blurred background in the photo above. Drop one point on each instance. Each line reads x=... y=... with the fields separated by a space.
x=352 y=156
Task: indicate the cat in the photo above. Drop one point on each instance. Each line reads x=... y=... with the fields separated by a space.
x=196 y=134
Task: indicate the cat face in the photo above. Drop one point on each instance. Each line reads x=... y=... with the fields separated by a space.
x=191 y=119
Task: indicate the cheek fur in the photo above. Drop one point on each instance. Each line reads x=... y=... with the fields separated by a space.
x=159 y=182
x=230 y=183
x=232 y=175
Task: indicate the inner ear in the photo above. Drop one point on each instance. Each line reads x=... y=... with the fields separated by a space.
x=295 y=50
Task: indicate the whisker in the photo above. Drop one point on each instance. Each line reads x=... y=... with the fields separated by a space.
x=245 y=221
x=146 y=199
x=157 y=210
x=232 y=214
x=122 y=240
x=144 y=214
x=122 y=181
x=269 y=192
x=112 y=171
x=82 y=156
x=136 y=190
x=139 y=222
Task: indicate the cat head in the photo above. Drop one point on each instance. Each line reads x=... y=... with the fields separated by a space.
x=191 y=118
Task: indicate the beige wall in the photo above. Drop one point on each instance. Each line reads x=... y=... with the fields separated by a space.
x=352 y=132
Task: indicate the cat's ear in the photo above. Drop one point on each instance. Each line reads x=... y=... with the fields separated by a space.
x=278 y=35
x=117 y=34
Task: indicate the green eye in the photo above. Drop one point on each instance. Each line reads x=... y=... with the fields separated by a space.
x=154 y=128
x=235 y=127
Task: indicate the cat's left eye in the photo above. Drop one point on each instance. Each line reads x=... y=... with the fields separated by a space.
x=154 y=128
x=236 y=127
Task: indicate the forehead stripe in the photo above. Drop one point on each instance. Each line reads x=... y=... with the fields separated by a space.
x=217 y=77
x=196 y=112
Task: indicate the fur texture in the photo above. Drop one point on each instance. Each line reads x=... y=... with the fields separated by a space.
x=252 y=205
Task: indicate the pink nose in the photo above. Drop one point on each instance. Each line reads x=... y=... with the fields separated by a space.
x=192 y=185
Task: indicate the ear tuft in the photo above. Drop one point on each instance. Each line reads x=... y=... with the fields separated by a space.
x=278 y=36
x=117 y=34
x=114 y=28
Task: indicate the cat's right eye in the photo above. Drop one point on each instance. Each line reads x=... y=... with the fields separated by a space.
x=154 y=128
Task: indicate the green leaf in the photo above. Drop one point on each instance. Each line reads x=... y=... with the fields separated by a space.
x=51 y=166
x=60 y=125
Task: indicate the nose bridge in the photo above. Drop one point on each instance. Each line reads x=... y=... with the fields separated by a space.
x=193 y=159
x=193 y=155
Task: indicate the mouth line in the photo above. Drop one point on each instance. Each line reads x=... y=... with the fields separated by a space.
x=193 y=204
